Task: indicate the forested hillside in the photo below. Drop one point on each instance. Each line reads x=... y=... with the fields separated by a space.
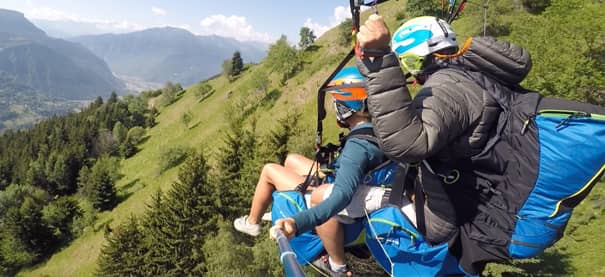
x=198 y=152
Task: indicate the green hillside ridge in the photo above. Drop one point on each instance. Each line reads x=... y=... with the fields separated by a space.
x=579 y=253
x=141 y=171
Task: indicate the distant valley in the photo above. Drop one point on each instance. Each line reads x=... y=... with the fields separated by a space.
x=41 y=76
x=165 y=54
x=53 y=67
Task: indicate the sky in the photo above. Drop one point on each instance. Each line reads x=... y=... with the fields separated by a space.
x=261 y=20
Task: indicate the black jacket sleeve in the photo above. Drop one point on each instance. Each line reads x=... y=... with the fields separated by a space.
x=412 y=130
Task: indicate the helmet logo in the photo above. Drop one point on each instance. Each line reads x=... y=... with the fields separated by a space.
x=412 y=40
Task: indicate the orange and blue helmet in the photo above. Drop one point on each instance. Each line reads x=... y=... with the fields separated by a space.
x=348 y=91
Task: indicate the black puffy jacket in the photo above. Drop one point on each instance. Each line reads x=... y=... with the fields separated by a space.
x=467 y=116
x=449 y=108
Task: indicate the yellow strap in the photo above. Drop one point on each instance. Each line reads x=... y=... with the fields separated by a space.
x=587 y=185
x=465 y=47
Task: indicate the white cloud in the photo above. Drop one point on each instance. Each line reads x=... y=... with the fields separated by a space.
x=340 y=14
x=317 y=28
x=158 y=11
x=47 y=13
x=232 y=26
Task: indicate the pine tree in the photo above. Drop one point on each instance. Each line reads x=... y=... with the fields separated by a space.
x=124 y=251
x=179 y=223
x=279 y=138
x=59 y=215
x=238 y=149
x=237 y=64
x=113 y=98
x=225 y=256
x=99 y=183
x=157 y=260
x=83 y=179
x=24 y=236
x=5 y=174
x=104 y=193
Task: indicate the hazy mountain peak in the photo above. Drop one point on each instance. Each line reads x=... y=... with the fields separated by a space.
x=168 y=29
x=32 y=59
x=165 y=54
x=14 y=22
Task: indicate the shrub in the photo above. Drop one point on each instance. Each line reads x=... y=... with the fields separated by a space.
x=172 y=157
x=59 y=215
x=135 y=135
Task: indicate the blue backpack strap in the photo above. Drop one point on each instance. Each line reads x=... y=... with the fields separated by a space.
x=365 y=133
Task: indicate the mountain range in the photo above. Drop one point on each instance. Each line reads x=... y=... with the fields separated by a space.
x=41 y=75
x=53 y=67
x=158 y=55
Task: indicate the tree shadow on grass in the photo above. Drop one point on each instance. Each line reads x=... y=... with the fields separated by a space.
x=312 y=48
x=127 y=190
x=194 y=125
x=144 y=139
x=270 y=98
x=552 y=263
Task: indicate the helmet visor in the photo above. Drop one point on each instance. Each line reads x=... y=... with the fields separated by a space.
x=342 y=111
x=412 y=63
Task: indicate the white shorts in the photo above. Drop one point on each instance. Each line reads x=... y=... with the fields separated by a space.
x=366 y=198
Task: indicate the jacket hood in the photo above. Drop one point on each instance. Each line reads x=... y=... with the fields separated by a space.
x=502 y=60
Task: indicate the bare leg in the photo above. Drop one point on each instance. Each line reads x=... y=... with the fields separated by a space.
x=299 y=163
x=273 y=177
x=332 y=235
x=331 y=232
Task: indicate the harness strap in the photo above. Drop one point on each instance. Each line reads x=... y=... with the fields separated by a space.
x=398 y=186
x=419 y=200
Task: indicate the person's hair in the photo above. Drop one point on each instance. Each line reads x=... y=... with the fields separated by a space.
x=364 y=114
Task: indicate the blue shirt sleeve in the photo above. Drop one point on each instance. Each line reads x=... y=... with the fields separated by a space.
x=351 y=166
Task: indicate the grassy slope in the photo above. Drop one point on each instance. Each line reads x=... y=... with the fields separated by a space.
x=140 y=172
x=577 y=252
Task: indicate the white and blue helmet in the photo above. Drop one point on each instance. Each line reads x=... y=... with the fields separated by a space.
x=419 y=37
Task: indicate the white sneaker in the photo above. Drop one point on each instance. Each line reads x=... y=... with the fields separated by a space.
x=241 y=224
x=267 y=217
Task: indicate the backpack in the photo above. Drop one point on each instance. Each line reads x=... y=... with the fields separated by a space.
x=571 y=161
x=541 y=159
x=401 y=250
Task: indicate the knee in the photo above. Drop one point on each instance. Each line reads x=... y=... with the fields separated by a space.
x=318 y=194
x=269 y=168
x=291 y=160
